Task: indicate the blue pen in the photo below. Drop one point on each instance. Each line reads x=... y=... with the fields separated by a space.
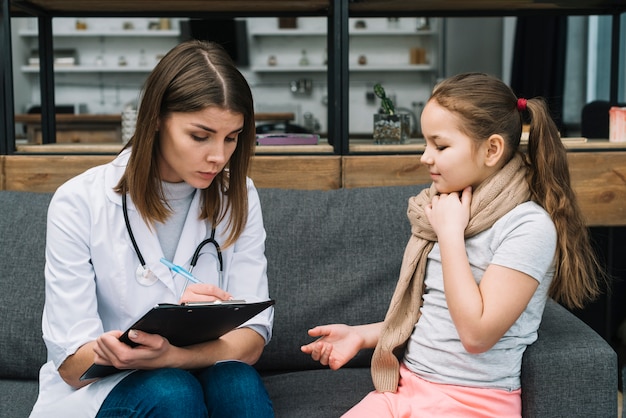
x=178 y=269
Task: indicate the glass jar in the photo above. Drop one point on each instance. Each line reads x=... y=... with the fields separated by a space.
x=129 y=121
x=304 y=60
x=391 y=129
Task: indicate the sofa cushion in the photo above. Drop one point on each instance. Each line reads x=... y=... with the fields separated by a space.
x=22 y=242
x=17 y=397
x=317 y=393
x=333 y=257
x=547 y=370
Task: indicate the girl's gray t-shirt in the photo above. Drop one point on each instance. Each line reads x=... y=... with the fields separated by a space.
x=524 y=240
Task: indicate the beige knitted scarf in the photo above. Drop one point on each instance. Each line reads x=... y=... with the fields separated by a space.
x=495 y=197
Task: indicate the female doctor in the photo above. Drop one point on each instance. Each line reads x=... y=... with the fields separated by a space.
x=180 y=181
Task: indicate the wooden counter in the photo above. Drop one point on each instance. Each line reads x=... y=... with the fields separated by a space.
x=44 y=173
x=365 y=146
x=598 y=172
x=598 y=178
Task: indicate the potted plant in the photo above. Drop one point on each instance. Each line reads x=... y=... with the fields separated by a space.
x=389 y=126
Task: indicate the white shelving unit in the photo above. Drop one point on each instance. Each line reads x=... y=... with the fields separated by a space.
x=355 y=68
x=105 y=87
x=111 y=60
x=384 y=45
x=91 y=69
x=128 y=33
x=286 y=45
x=105 y=42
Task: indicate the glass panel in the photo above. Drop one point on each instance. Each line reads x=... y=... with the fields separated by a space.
x=403 y=56
x=289 y=78
x=22 y=82
x=100 y=65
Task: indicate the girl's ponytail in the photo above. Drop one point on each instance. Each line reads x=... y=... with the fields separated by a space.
x=577 y=267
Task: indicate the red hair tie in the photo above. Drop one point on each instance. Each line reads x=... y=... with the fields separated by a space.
x=521 y=104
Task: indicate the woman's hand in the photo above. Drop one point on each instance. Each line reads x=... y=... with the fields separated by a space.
x=336 y=345
x=201 y=292
x=449 y=213
x=150 y=353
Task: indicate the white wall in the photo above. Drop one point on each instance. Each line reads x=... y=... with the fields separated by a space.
x=474 y=44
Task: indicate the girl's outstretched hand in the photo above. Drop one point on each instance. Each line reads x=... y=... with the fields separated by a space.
x=336 y=345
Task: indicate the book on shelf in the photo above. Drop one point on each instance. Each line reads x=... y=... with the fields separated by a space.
x=287 y=139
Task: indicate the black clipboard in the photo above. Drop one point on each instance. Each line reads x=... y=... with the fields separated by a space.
x=187 y=324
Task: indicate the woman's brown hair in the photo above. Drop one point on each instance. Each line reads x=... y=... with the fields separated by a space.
x=192 y=76
x=488 y=106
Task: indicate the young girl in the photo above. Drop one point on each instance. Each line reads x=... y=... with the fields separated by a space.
x=181 y=180
x=496 y=234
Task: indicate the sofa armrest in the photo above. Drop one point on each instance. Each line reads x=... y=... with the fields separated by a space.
x=570 y=371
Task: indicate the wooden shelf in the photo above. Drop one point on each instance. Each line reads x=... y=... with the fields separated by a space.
x=143 y=33
x=72 y=129
x=114 y=148
x=265 y=116
x=416 y=146
x=313 y=7
x=401 y=68
x=480 y=7
x=289 y=69
x=91 y=118
x=34 y=69
x=64 y=118
x=87 y=118
x=289 y=32
x=405 y=68
x=352 y=32
x=361 y=146
x=68 y=149
x=169 y=7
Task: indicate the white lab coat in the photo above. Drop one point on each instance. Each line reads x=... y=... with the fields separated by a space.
x=91 y=284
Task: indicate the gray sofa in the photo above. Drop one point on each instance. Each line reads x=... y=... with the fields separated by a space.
x=333 y=257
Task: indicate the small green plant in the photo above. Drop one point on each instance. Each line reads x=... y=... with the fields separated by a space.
x=385 y=102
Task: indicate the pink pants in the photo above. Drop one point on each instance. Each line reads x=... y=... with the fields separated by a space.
x=417 y=397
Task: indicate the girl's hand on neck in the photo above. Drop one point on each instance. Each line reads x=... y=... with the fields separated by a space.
x=449 y=213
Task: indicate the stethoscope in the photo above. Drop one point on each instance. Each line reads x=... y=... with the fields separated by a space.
x=146 y=277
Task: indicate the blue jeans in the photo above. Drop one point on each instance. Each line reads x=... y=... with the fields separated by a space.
x=228 y=389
